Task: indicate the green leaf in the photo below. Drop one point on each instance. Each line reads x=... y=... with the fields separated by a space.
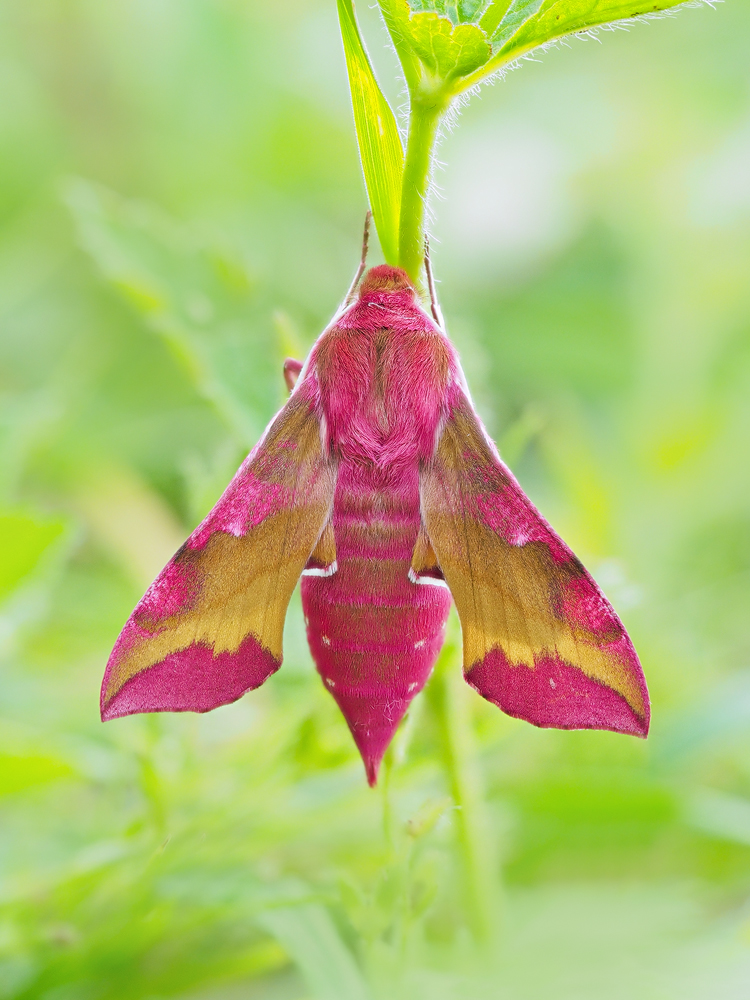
x=494 y=15
x=447 y=51
x=379 y=141
x=459 y=11
x=197 y=298
x=714 y=723
x=726 y=817
x=311 y=940
x=24 y=539
x=397 y=17
x=18 y=772
x=440 y=6
x=470 y=10
x=555 y=18
x=517 y=13
x=463 y=43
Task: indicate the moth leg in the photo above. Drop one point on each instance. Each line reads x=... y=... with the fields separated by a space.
x=434 y=306
x=292 y=368
x=362 y=263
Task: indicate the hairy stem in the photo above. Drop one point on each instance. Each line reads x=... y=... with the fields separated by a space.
x=424 y=119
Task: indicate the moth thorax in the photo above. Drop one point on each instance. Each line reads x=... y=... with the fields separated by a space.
x=385 y=278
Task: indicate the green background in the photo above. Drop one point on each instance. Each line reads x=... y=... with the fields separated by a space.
x=180 y=207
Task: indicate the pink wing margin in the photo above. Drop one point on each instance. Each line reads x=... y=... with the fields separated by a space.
x=541 y=640
x=210 y=626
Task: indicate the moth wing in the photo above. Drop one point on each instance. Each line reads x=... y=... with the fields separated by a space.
x=210 y=626
x=540 y=639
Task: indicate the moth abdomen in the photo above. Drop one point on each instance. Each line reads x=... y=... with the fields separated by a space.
x=373 y=633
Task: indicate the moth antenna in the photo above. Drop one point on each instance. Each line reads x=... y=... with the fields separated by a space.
x=362 y=264
x=434 y=305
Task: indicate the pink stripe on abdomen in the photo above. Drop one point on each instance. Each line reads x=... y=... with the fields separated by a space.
x=373 y=633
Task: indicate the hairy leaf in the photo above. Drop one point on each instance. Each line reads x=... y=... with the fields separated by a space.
x=377 y=134
x=447 y=51
x=459 y=11
x=462 y=42
x=516 y=15
x=470 y=10
x=555 y=18
x=493 y=15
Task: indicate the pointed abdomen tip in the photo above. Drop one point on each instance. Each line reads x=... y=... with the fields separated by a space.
x=372 y=767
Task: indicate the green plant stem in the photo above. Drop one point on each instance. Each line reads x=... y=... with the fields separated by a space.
x=424 y=119
x=448 y=693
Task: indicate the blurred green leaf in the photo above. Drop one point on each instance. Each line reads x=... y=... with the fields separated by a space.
x=130 y=521
x=427 y=816
x=569 y=325
x=197 y=298
x=20 y=772
x=719 y=719
x=726 y=817
x=15 y=973
x=310 y=938
x=380 y=147
x=24 y=540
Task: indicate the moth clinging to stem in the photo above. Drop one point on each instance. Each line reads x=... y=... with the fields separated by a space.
x=377 y=484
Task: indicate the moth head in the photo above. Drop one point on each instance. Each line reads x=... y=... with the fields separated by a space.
x=385 y=278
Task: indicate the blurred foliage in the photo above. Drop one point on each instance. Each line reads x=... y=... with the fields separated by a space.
x=180 y=206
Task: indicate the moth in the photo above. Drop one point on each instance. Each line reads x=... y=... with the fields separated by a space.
x=377 y=484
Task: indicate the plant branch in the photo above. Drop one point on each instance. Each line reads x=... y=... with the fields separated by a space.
x=424 y=120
